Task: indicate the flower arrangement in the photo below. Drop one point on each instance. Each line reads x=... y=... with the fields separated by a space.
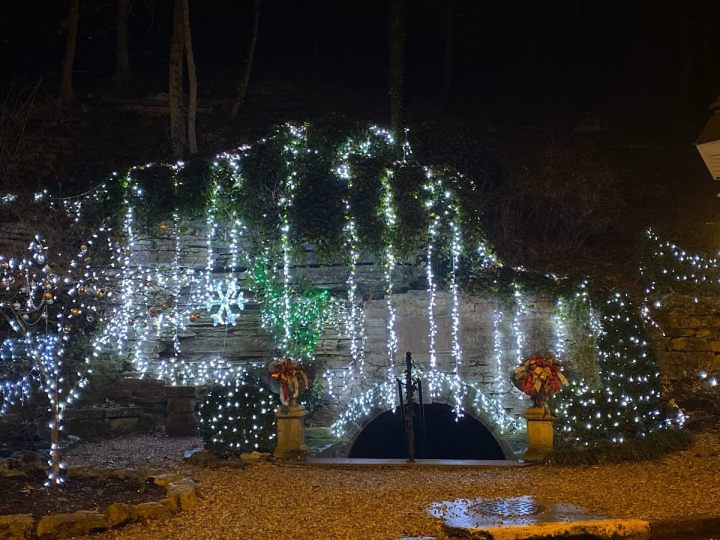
x=539 y=377
x=292 y=379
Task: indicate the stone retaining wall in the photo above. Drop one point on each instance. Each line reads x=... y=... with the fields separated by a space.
x=494 y=334
x=100 y=422
x=689 y=336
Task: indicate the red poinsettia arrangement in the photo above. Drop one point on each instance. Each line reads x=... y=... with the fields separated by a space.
x=539 y=377
x=292 y=379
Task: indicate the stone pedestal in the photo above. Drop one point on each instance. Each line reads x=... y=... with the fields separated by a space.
x=539 y=433
x=291 y=433
x=180 y=419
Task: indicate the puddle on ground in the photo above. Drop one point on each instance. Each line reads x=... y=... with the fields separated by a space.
x=481 y=512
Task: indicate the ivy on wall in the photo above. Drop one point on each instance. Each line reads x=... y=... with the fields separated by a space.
x=252 y=184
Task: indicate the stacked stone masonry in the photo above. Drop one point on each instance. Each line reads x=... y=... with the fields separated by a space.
x=490 y=344
x=688 y=339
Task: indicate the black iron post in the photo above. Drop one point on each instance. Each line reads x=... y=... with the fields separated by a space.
x=409 y=408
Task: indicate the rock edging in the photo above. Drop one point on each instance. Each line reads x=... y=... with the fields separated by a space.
x=181 y=495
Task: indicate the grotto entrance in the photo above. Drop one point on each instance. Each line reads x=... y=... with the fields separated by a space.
x=445 y=437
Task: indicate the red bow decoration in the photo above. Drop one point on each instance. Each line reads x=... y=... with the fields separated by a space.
x=288 y=373
x=539 y=377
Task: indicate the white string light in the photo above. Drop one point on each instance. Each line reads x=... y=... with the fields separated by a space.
x=154 y=302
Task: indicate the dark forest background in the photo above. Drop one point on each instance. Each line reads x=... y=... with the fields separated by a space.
x=584 y=112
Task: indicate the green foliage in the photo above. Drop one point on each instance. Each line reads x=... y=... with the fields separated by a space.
x=264 y=171
x=365 y=198
x=238 y=418
x=503 y=281
x=310 y=156
x=410 y=232
x=317 y=212
x=193 y=183
x=313 y=399
x=368 y=155
x=160 y=190
x=654 y=446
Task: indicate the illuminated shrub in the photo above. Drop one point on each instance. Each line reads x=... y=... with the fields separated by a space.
x=238 y=418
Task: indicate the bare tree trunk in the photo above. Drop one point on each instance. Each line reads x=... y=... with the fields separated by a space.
x=396 y=75
x=249 y=58
x=51 y=385
x=449 y=45
x=192 y=79
x=321 y=8
x=122 y=58
x=175 y=86
x=56 y=476
x=66 y=84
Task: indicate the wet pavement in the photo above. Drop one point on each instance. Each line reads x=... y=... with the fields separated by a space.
x=513 y=511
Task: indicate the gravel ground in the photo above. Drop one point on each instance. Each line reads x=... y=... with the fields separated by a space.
x=135 y=451
x=266 y=501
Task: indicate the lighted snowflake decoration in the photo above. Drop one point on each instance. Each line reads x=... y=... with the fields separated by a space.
x=223 y=296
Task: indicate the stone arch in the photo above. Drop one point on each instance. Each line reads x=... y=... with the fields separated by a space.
x=510 y=436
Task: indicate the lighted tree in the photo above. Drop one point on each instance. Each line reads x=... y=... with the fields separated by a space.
x=627 y=404
x=47 y=300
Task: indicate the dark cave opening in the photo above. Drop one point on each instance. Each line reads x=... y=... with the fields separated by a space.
x=444 y=436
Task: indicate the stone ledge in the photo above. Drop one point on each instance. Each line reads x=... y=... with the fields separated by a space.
x=69 y=525
x=150 y=511
x=685 y=527
x=119 y=514
x=702 y=526
x=16 y=527
x=631 y=529
x=91 y=423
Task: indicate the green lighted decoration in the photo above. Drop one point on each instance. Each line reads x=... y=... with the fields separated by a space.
x=309 y=310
